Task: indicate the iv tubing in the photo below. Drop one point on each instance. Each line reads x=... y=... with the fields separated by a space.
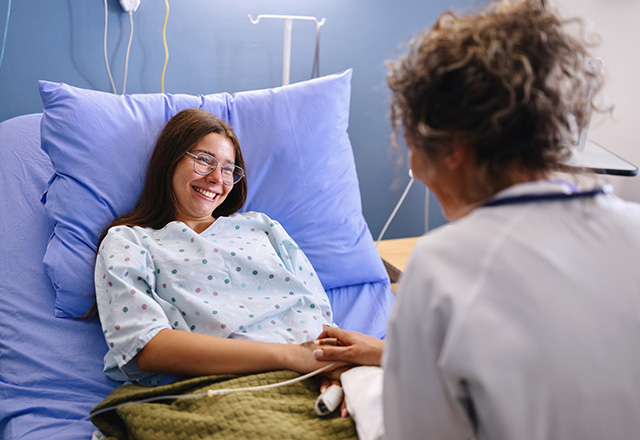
x=166 y=48
x=126 y=62
x=106 y=60
x=395 y=210
x=6 y=28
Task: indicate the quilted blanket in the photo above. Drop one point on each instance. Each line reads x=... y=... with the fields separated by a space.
x=278 y=413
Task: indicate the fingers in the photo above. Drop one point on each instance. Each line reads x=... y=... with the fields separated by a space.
x=343 y=409
x=335 y=344
x=325 y=329
x=333 y=353
x=333 y=332
x=325 y=382
x=361 y=352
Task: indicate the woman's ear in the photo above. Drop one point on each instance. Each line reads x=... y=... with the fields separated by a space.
x=460 y=155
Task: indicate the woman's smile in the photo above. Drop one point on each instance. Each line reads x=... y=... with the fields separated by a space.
x=197 y=196
x=208 y=195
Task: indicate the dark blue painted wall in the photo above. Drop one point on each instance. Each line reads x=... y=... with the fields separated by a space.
x=213 y=47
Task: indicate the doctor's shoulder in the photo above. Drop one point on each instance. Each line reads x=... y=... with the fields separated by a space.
x=626 y=214
x=626 y=208
x=472 y=232
x=459 y=250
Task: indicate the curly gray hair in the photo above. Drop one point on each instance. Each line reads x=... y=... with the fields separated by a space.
x=510 y=81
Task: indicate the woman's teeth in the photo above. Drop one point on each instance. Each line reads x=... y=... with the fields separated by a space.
x=205 y=193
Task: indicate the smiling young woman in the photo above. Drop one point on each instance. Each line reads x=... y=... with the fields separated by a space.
x=185 y=285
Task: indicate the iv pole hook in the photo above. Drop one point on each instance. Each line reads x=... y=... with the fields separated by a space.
x=288 y=25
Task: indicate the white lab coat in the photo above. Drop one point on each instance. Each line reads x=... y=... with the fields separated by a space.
x=520 y=322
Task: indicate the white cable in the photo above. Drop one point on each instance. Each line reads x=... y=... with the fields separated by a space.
x=126 y=62
x=6 y=29
x=212 y=393
x=106 y=60
x=395 y=210
x=209 y=393
x=220 y=392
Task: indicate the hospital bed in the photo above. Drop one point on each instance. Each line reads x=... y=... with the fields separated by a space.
x=67 y=171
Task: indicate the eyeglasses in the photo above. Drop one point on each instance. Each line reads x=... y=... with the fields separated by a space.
x=205 y=164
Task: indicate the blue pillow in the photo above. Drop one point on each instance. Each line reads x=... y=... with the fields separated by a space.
x=300 y=171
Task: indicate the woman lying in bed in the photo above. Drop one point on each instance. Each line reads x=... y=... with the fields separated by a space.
x=185 y=285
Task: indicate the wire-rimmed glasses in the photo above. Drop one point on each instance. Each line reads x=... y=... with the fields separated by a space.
x=205 y=164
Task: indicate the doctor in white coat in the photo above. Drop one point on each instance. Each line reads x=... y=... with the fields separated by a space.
x=519 y=320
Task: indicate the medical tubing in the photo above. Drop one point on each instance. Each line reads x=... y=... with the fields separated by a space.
x=126 y=62
x=209 y=393
x=106 y=59
x=6 y=28
x=212 y=393
x=315 y=69
x=166 y=48
x=395 y=210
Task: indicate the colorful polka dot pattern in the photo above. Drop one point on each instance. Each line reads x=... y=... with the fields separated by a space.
x=243 y=277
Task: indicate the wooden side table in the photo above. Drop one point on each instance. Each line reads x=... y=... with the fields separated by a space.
x=395 y=254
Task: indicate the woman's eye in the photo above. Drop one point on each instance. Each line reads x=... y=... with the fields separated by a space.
x=205 y=161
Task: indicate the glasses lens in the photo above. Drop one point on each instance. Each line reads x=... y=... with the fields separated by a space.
x=232 y=174
x=204 y=163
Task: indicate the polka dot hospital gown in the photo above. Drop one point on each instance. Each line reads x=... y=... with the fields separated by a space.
x=242 y=278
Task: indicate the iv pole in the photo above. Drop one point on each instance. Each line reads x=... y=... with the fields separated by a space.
x=288 y=25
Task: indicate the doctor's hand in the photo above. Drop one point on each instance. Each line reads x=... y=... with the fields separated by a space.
x=352 y=348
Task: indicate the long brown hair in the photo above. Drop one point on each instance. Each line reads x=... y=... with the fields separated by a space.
x=157 y=203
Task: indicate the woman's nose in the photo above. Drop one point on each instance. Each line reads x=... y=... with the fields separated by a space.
x=215 y=176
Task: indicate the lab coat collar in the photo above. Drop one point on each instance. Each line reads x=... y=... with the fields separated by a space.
x=551 y=186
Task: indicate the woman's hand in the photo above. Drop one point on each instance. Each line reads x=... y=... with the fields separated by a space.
x=326 y=382
x=301 y=359
x=352 y=348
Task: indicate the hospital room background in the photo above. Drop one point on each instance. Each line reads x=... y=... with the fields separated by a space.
x=213 y=46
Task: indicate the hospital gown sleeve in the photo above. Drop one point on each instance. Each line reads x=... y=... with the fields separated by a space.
x=130 y=312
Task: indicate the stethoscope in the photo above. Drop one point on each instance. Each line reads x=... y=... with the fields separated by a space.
x=549 y=197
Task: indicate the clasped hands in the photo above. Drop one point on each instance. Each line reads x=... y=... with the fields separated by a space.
x=347 y=348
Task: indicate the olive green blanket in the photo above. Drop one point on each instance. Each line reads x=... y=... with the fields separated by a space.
x=279 y=413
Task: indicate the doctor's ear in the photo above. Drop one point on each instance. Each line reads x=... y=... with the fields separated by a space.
x=461 y=154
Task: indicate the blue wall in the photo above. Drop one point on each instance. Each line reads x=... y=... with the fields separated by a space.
x=213 y=47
